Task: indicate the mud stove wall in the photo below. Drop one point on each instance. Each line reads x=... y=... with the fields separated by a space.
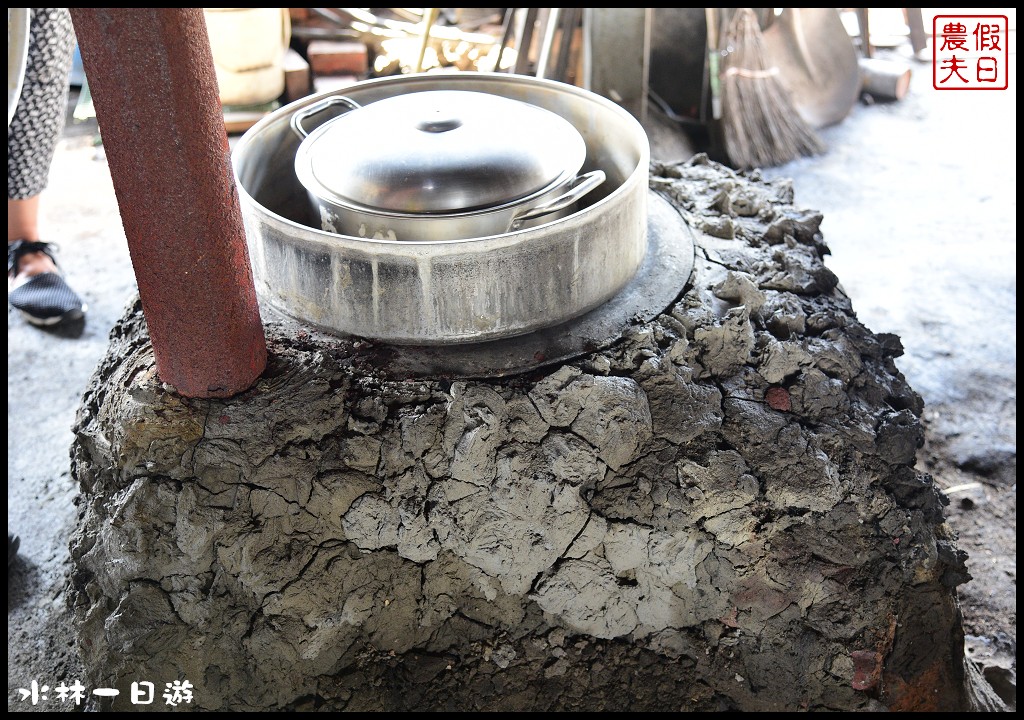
x=718 y=510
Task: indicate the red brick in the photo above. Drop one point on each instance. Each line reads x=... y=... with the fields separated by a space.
x=331 y=57
x=298 y=82
x=778 y=399
x=330 y=83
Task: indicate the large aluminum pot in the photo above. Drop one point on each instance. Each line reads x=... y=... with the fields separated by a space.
x=449 y=291
x=439 y=165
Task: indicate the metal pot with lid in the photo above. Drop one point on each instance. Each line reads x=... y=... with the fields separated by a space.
x=473 y=290
x=440 y=165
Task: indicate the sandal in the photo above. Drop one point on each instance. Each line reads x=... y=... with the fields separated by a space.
x=45 y=299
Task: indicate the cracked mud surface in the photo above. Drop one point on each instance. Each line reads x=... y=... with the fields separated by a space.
x=721 y=511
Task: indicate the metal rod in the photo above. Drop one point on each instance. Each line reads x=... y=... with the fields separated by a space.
x=507 y=29
x=548 y=41
x=152 y=80
x=365 y=21
x=523 y=41
x=430 y=16
x=570 y=21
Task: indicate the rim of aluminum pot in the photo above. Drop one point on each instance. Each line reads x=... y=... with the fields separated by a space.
x=447 y=291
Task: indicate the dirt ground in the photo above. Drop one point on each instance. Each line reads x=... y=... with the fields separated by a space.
x=919 y=200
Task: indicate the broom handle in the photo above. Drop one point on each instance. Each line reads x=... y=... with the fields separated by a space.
x=711 y=18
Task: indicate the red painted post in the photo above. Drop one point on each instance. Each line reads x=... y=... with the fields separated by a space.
x=157 y=103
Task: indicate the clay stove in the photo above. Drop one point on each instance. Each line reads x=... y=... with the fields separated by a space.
x=707 y=504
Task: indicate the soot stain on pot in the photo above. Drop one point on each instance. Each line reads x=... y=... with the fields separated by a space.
x=402 y=282
x=314 y=271
x=306 y=270
x=363 y=275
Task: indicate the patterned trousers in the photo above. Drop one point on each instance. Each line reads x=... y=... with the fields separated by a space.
x=39 y=119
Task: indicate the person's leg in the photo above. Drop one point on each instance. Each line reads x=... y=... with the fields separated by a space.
x=38 y=121
x=23 y=219
x=35 y=286
x=23 y=224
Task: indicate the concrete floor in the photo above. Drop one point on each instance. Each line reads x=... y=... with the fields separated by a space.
x=919 y=200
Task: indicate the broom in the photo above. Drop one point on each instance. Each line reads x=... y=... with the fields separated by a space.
x=760 y=124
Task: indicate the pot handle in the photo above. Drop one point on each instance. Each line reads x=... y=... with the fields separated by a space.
x=299 y=115
x=574 y=190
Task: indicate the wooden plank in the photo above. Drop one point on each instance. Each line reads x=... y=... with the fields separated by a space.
x=298 y=80
x=616 y=55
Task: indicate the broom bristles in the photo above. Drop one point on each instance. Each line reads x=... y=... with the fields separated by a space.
x=760 y=123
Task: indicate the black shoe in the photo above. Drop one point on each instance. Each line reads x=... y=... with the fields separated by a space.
x=45 y=299
x=13 y=543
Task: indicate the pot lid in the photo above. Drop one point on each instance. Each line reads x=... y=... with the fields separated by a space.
x=439 y=151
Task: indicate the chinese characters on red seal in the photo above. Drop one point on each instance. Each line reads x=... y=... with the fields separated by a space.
x=970 y=52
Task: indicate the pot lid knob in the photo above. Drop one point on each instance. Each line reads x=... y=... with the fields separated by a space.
x=439 y=125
